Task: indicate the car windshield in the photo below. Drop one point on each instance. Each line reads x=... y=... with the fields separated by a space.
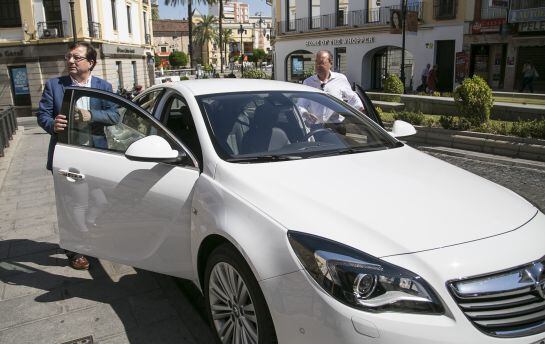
x=270 y=126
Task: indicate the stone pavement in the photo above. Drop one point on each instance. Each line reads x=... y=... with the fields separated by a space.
x=42 y=300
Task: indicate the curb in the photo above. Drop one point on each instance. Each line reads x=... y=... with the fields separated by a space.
x=536 y=165
x=5 y=161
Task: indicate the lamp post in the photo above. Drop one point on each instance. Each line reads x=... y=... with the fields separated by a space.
x=241 y=31
x=73 y=19
x=404 y=17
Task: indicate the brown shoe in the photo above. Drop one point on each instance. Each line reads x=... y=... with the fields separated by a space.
x=79 y=262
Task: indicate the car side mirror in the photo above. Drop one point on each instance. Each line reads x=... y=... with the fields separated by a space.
x=153 y=148
x=402 y=128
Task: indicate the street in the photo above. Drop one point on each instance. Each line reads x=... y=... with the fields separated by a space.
x=43 y=300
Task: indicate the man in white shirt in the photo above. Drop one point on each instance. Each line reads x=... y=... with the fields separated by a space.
x=332 y=83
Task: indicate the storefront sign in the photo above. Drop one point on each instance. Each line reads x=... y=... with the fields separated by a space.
x=340 y=41
x=527 y=15
x=498 y=3
x=12 y=53
x=395 y=21
x=20 y=81
x=487 y=25
x=532 y=26
x=125 y=50
x=462 y=64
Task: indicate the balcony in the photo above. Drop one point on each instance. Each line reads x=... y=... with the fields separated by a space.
x=526 y=4
x=52 y=29
x=445 y=9
x=147 y=38
x=343 y=19
x=94 y=30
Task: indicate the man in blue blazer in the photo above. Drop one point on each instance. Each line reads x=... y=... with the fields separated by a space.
x=80 y=59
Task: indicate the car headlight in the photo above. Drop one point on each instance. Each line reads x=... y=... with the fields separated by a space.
x=363 y=281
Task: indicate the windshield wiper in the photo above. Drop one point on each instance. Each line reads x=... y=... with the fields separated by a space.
x=264 y=158
x=351 y=150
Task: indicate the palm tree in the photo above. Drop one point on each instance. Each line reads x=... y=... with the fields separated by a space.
x=221 y=35
x=190 y=12
x=228 y=37
x=206 y=32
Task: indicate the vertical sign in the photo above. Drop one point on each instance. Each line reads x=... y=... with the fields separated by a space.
x=395 y=21
x=461 y=66
x=20 y=81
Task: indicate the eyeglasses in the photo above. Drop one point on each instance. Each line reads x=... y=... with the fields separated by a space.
x=76 y=58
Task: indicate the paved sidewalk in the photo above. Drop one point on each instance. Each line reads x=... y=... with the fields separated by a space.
x=42 y=300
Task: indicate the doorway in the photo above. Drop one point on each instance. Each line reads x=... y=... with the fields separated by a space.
x=444 y=60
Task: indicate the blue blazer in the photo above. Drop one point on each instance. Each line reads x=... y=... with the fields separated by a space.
x=51 y=103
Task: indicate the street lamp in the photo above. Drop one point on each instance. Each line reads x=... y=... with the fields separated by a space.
x=74 y=34
x=241 y=31
x=404 y=16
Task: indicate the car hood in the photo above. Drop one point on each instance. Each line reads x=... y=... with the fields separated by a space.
x=384 y=202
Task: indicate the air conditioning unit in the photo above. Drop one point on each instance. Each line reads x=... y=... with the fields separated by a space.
x=50 y=33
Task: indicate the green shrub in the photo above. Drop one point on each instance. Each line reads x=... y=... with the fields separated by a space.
x=392 y=84
x=535 y=129
x=308 y=72
x=255 y=74
x=184 y=78
x=446 y=94
x=474 y=100
x=429 y=122
x=178 y=59
x=416 y=118
x=454 y=123
x=436 y=94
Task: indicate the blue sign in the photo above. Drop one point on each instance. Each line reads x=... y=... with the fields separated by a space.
x=20 y=81
x=527 y=15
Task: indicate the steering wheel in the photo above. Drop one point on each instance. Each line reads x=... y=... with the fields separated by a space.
x=316 y=131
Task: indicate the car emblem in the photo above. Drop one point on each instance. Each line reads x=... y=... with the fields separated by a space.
x=536 y=272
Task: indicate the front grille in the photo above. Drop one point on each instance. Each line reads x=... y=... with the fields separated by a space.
x=505 y=304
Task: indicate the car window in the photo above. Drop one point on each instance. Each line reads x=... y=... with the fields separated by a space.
x=178 y=119
x=103 y=122
x=148 y=100
x=298 y=124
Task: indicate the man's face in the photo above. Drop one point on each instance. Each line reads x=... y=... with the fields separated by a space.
x=322 y=64
x=76 y=61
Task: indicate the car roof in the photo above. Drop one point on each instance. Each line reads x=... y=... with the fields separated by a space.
x=215 y=86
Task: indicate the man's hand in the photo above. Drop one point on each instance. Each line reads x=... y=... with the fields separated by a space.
x=309 y=118
x=82 y=115
x=59 y=123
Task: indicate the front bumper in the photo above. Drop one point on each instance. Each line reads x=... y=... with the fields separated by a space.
x=303 y=313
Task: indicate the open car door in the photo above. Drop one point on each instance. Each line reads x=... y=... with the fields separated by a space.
x=132 y=208
x=370 y=109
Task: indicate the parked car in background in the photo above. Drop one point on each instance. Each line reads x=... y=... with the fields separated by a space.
x=299 y=218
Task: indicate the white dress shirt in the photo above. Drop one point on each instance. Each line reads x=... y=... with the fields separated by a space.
x=83 y=102
x=338 y=86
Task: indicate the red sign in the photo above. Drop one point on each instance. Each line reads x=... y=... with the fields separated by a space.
x=462 y=64
x=487 y=25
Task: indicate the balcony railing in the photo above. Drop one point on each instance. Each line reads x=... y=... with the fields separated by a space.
x=147 y=37
x=445 y=9
x=52 y=29
x=493 y=13
x=94 y=30
x=343 y=19
x=525 y=4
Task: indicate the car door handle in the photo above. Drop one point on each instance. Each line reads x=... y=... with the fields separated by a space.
x=73 y=175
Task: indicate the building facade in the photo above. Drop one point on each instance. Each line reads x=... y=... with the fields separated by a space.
x=365 y=38
x=34 y=35
x=170 y=36
x=501 y=37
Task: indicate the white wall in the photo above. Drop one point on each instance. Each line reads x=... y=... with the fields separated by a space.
x=11 y=34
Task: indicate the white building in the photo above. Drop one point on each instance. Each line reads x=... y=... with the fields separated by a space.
x=358 y=34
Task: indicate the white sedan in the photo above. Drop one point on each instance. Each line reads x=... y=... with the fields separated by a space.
x=299 y=218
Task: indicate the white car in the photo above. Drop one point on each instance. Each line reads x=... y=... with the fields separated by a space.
x=299 y=218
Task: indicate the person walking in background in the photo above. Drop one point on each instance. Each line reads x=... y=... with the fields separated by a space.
x=431 y=81
x=424 y=78
x=81 y=58
x=529 y=74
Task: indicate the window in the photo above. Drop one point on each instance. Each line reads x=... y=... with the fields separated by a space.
x=114 y=15
x=177 y=118
x=148 y=100
x=134 y=73
x=445 y=9
x=341 y=10
x=314 y=9
x=145 y=14
x=10 y=14
x=163 y=49
x=290 y=15
x=119 y=70
x=129 y=19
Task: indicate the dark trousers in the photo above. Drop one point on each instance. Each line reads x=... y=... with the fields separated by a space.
x=527 y=82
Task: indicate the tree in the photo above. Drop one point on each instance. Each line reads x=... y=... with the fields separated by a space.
x=259 y=55
x=190 y=12
x=177 y=59
x=228 y=37
x=155 y=13
x=207 y=32
x=221 y=35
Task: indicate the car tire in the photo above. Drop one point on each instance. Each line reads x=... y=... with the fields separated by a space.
x=242 y=313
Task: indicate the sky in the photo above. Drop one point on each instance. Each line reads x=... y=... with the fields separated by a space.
x=179 y=12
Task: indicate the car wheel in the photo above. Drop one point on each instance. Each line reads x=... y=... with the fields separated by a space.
x=235 y=305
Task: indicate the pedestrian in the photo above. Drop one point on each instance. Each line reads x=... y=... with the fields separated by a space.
x=431 y=81
x=529 y=74
x=330 y=82
x=137 y=90
x=80 y=59
x=424 y=78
